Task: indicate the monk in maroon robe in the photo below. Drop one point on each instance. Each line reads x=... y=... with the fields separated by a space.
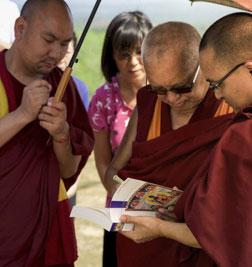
x=178 y=123
x=221 y=200
x=44 y=144
x=216 y=205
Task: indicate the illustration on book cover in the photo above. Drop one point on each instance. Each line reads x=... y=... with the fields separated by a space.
x=152 y=197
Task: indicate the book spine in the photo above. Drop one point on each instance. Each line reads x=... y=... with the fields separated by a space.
x=118 y=204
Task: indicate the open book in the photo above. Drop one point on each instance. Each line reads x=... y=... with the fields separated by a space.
x=133 y=197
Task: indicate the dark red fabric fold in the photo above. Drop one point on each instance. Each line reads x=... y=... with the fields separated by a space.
x=29 y=181
x=170 y=160
x=57 y=250
x=218 y=207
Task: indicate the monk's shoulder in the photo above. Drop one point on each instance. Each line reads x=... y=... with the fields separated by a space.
x=237 y=137
x=241 y=128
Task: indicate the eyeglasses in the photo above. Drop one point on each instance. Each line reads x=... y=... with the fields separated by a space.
x=127 y=55
x=214 y=85
x=177 y=90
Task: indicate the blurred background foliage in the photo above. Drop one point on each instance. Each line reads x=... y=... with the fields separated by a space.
x=88 y=67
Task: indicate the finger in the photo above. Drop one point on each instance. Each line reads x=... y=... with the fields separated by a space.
x=46 y=125
x=42 y=99
x=127 y=219
x=161 y=211
x=40 y=95
x=124 y=219
x=166 y=217
x=176 y=188
x=52 y=111
x=171 y=203
x=53 y=103
x=161 y=215
x=164 y=213
x=46 y=117
x=169 y=209
x=42 y=83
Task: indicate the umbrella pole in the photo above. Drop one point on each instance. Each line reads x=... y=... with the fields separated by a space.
x=67 y=72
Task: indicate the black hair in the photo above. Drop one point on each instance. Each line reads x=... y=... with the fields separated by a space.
x=126 y=31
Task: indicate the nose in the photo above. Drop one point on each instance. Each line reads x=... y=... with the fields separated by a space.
x=56 y=52
x=171 y=97
x=134 y=59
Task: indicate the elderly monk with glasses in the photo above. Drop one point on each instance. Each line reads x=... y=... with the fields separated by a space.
x=173 y=130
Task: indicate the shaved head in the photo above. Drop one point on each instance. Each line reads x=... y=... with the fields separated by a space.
x=176 y=40
x=32 y=7
x=230 y=39
x=42 y=34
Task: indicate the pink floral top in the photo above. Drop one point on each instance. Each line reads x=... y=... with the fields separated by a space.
x=108 y=111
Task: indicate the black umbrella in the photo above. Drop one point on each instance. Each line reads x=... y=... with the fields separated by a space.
x=67 y=73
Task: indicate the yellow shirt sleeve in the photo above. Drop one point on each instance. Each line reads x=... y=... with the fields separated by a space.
x=4 y=107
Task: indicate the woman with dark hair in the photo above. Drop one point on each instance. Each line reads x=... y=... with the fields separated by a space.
x=113 y=102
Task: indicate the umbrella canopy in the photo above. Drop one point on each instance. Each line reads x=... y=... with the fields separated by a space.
x=241 y=4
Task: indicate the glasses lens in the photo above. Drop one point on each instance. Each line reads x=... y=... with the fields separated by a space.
x=124 y=55
x=163 y=91
x=127 y=55
x=159 y=91
x=182 y=90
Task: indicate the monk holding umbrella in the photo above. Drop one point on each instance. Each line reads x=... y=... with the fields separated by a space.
x=44 y=143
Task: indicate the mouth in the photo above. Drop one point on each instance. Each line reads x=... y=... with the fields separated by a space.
x=49 y=64
x=177 y=104
x=135 y=71
x=173 y=104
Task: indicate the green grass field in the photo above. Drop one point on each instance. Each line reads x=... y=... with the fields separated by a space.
x=88 y=68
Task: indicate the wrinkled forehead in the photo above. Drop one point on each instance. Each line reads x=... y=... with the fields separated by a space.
x=58 y=24
x=164 y=70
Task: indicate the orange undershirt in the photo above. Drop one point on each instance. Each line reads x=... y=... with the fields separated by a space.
x=155 y=127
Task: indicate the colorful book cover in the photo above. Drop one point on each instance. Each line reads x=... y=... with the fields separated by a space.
x=133 y=197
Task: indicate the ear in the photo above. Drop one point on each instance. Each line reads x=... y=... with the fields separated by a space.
x=248 y=65
x=20 y=26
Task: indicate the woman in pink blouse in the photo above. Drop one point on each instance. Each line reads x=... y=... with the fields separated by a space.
x=113 y=103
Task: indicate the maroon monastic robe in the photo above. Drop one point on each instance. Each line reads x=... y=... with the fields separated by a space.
x=170 y=160
x=35 y=229
x=217 y=205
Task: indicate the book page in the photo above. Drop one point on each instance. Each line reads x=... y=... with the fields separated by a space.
x=97 y=216
x=101 y=217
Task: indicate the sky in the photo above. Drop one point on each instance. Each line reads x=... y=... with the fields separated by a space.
x=200 y=14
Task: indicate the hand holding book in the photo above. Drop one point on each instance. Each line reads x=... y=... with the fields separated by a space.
x=133 y=197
